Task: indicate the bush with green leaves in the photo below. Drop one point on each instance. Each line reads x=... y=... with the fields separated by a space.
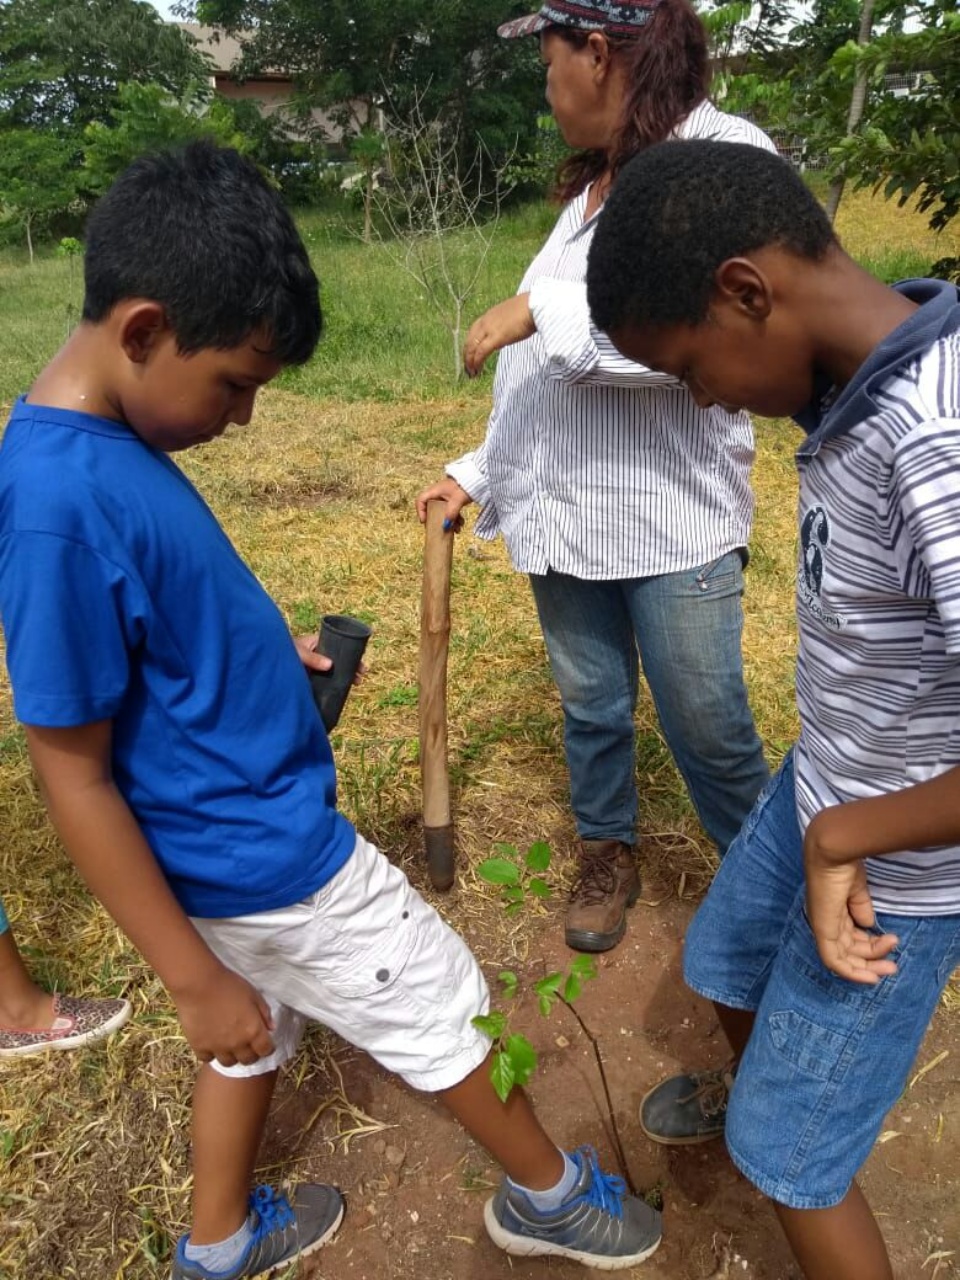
x=37 y=180
x=147 y=118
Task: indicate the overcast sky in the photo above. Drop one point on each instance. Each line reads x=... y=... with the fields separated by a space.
x=164 y=6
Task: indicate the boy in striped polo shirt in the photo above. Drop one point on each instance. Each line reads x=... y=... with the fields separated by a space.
x=834 y=921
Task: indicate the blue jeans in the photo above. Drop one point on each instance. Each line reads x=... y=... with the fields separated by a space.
x=685 y=630
x=827 y=1058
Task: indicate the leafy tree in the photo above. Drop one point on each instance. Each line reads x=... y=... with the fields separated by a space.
x=825 y=79
x=62 y=61
x=910 y=145
x=146 y=118
x=37 y=180
x=363 y=57
x=858 y=98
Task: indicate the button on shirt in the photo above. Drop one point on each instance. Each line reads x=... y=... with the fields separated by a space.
x=592 y=465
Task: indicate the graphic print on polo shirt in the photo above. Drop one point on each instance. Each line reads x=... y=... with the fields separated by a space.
x=814 y=542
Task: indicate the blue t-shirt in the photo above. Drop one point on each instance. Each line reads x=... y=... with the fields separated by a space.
x=123 y=599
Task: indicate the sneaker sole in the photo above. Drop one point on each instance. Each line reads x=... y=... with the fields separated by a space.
x=525 y=1247
x=594 y=942
x=71 y=1042
x=697 y=1141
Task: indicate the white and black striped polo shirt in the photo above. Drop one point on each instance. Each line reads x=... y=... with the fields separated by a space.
x=595 y=466
x=878 y=591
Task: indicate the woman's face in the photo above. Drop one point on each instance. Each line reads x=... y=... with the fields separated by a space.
x=580 y=90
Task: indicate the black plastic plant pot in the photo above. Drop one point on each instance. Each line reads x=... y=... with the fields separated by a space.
x=343 y=641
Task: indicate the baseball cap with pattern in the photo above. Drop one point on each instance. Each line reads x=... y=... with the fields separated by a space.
x=621 y=17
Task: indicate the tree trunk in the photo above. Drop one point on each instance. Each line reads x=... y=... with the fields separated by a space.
x=457 y=353
x=857 y=101
x=368 y=208
x=29 y=237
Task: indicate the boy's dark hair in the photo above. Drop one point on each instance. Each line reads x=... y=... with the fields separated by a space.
x=200 y=230
x=679 y=210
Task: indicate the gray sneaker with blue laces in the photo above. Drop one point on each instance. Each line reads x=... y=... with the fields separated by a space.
x=282 y=1231
x=598 y=1224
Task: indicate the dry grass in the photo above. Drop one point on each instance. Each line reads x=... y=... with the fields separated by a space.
x=318 y=497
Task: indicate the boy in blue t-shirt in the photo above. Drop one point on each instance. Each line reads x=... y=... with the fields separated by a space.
x=182 y=760
x=834 y=920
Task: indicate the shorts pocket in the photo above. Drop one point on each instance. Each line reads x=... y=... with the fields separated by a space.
x=810 y=1048
x=354 y=973
x=801 y=949
x=364 y=974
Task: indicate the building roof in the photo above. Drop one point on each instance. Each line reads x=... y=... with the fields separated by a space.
x=223 y=50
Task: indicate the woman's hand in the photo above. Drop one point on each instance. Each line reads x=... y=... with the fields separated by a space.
x=508 y=322
x=453 y=495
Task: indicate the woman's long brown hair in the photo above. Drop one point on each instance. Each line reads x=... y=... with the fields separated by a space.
x=667 y=74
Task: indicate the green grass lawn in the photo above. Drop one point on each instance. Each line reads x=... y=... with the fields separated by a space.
x=383 y=340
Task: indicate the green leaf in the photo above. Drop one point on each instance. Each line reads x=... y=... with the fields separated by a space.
x=510 y=982
x=499 y=871
x=491 y=1024
x=547 y=989
x=585 y=967
x=523 y=1058
x=507 y=851
x=538 y=856
x=513 y=893
x=539 y=888
x=501 y=1073
x=572 y=988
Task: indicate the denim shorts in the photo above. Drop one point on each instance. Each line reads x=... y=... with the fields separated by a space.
x=827 y=1058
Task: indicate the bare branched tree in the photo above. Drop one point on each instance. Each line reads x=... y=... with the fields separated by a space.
x=439 y=211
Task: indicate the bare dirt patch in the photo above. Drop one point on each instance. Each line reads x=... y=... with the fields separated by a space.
x=416 y=1189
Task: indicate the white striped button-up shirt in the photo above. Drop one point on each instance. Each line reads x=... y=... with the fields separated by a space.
x=595 y=466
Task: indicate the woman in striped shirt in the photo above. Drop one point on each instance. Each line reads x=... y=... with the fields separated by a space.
x=627 y=505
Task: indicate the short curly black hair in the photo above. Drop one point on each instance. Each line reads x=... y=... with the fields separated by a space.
x=680 y=209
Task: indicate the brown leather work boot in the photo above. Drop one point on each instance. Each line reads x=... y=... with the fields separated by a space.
x=607 y=884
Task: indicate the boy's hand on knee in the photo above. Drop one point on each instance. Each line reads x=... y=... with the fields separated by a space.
x=841 y=916
x=226 y=1019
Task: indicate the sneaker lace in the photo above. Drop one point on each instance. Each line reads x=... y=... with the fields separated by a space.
x=272 y=1209
x=597 y=877
x=712 y=1094
x=606 y=1190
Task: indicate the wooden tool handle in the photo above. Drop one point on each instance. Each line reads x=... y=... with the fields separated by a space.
x=434 y=645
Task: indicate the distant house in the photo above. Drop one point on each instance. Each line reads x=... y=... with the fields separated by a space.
x=271 y=90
